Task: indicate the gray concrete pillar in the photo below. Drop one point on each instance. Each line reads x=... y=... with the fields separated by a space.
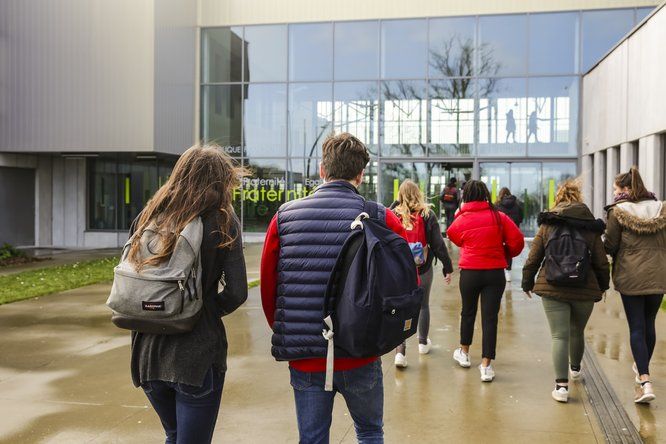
x=586 y=176
x=651 y=162
x=599 y=185
x=627 y=156
x=44 y=201
x=612 y=169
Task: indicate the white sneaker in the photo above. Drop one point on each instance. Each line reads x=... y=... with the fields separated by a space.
x=637 y=378
x=400 y=360
x=560 y=394
x=424 y=349
x=645 y=394
x=487 y=373
x=507 y=275
x=575 y=375
x=461 y=358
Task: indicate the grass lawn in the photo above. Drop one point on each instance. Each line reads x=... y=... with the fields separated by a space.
x=29 y=284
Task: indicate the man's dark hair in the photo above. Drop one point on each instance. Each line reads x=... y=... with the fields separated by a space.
x=344 y=157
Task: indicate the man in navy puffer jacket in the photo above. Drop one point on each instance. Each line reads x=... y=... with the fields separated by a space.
x=302 y=243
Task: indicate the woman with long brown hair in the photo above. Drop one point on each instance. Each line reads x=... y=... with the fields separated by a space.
x=425 y=238
x=636 y=240
x=183 y=374
x=568 y=305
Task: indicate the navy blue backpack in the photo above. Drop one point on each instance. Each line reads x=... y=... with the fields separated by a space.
x=372 y=300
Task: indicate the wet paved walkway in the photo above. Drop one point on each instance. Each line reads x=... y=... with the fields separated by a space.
x=64 y=378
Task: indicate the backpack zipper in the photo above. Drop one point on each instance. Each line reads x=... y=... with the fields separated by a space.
x=182 y=295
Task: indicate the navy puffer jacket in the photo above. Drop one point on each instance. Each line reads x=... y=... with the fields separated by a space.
x=311 y=231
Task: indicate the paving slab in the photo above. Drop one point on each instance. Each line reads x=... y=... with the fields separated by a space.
x=64 y=377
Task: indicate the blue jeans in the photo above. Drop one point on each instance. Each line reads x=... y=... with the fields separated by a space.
x=188 y=413
x=363 y=391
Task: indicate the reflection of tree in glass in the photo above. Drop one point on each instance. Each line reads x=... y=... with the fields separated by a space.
x=454 y=60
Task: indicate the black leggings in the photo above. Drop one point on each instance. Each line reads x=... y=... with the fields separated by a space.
x=489 y=284
x=641 y=313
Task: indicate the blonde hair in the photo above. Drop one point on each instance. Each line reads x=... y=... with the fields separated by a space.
x=410 y=200
x=569 y=192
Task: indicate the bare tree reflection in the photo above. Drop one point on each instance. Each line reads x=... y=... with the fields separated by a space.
x=453 y=61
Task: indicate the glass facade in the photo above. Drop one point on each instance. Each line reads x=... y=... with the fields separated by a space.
x=490 y=97
x=119 y=187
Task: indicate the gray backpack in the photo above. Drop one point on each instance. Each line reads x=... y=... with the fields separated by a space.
x=163 y=299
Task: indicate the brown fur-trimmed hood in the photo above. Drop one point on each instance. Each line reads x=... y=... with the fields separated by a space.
x=644 y=217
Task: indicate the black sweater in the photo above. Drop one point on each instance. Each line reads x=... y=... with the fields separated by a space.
x=436 y=246
x=185 y=358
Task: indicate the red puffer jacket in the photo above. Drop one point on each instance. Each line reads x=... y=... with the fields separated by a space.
x=484 y=244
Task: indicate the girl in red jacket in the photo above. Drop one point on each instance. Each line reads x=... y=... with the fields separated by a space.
x=486 y=237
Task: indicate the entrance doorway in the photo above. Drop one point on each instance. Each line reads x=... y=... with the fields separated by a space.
x=430 y=176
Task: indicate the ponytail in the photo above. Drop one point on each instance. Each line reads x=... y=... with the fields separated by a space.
x=634 y=182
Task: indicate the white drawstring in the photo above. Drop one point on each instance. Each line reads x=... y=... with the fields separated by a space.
x=328 y=335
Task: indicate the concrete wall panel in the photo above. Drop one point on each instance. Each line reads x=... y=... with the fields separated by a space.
x=605 y=103
x=76 y=75
x=645 y=83
x=242 y=12
x=624 y=96
x=175 y=75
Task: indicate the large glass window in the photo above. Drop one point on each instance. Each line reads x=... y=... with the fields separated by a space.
x=310 y=117
x=602 y=30
x=500 y=88
x=222 y=50
x=404 y=49
x=526 y=185
x=222 y=117
x=368 y=187
x=554 y=174
x=356 y=50
x=356 y=110
x=404 y=109
x=302 y=177
x=120 y=186
x=311 y=51
x=262 y=193
x=552 y=107
x=523 y=180
x=503 y=44
x=266 y=53
x=103 y=189
x=641 y=13
x=535 y=185
x=452 y=114
x=451 y=47
x=553 y=43
x=502 y=117
x=265 y=123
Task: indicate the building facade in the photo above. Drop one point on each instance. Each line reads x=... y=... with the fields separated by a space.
x=98 y=99
x=624 y=122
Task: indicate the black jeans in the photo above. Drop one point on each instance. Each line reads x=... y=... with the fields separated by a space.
x=450 y=213
x=188 y=413
x=489 y=284
x=641 y=313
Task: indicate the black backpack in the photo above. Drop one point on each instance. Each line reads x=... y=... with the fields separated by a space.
x=372 y=300
x=567 y=257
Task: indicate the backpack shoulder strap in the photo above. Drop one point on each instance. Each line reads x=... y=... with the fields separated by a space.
x=375 y=210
